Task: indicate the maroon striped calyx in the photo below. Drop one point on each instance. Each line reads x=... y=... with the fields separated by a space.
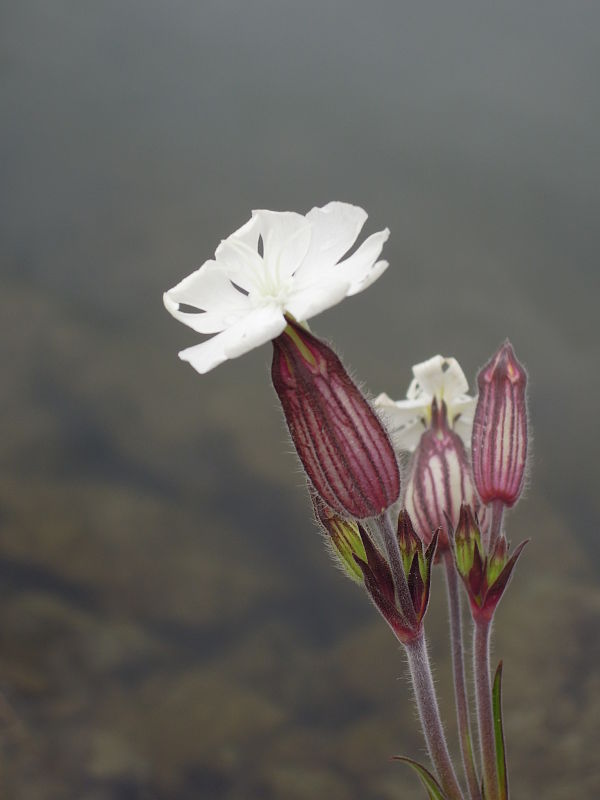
x=379 y=583
x=440 y=479
x=485 y=576
x=344 y=448
x=499 y=440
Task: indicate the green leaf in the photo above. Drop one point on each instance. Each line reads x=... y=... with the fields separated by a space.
x=499 y=734
x=434 y=791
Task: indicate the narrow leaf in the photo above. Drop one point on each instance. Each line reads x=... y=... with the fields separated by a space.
x=499 y=734
x=434 y=791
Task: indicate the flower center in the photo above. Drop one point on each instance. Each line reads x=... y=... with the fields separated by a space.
x=269 y=286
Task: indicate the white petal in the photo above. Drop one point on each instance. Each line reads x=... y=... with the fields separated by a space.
x=383 y=400
x=260 y=326
x=359 y=264
x=209 y=290
x=464 y=428
x=239 y=261
x=371 y=276
x=402 y=410
x=455 y=382
x=464 y=405
x=431 y=378
x=257 y=327
x=408 y=437
x=404 y=419
x=307 y=302
x=286 y=238
x=247 y=233
x=335 y=228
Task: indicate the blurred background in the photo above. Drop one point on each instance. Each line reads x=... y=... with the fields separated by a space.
x=170 y=623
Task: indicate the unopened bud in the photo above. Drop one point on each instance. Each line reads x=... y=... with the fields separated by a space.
x=344 y=536
x=408 y=541
x=499 y=443
x=485 y=577
x=343 y=446
x=440 y=479
x=380 y=585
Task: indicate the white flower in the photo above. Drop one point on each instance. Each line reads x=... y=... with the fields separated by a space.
x=440 y=378
x=277 y=262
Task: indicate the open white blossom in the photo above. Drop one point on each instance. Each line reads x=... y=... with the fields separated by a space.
x=277 y=263
x=440 y=378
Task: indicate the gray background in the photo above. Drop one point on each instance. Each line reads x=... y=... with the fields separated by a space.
x=170 y=626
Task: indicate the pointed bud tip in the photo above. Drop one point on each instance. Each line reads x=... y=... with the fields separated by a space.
x=503 y=365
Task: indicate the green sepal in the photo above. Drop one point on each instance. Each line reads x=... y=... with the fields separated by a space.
x=499 y=734
x=434 y=790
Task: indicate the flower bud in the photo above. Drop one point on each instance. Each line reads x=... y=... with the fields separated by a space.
x=380 y=584
x=485 y=577
x=499 y=442
x=343 y=446
x=417 y=563
x=440 y=479
x=344 y=536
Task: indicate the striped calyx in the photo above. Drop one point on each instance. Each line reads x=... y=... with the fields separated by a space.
x=499 y=441
x=440 y=479
x=344 y=448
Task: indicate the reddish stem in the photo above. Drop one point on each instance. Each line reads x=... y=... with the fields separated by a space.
x=460 y=691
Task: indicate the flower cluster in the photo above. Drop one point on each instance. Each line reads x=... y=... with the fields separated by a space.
x=466 y=455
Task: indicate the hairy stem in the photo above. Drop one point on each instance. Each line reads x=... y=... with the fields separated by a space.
x=485 y=715
x=392 y=548
x=429 y=714
x=460 y=690
x=495 y=527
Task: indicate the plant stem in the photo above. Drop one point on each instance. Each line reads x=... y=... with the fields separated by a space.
x=392 y=548
x=429 y=714
x=485 y=716
x=495 y=526
x=460 y=691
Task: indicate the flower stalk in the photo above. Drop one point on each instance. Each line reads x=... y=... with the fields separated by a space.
x=460 y=688
x=485 y=715
x=429 y=714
